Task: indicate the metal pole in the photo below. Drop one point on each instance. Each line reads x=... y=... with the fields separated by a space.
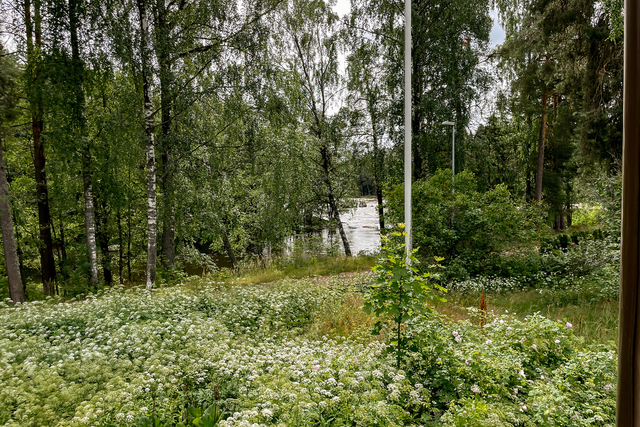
x=407 y=126
x=453 y=159
x=628 y=391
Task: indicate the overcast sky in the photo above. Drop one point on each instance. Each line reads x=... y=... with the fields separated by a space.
x=497 y=33
x=479 y=109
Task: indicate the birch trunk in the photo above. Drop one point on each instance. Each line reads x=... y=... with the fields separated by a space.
x=16 y=290
x=89 y=222
x=152 y=211
x=120 y=246
x=166 y=78
x=228 y=247
x=129 y=234
x=102 y=237
x=81 y=119
x=333 y=206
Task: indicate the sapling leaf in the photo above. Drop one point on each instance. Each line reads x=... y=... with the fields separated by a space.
x=400 y=292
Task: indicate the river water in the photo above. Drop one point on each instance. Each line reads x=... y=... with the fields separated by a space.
x=361 y=226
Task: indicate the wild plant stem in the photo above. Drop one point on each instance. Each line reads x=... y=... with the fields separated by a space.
x=398 y=346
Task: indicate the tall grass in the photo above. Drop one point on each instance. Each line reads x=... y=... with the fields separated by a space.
x=596 y=322
x=260 y=271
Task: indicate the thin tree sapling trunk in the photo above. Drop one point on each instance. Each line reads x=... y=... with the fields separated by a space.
x=19 y=252
x=228 y=247
x=378 y=165
x=102 y=236
x=333 y=205
x=81 y=121
x=129 y=234
x=63 y=247
x=120 y=246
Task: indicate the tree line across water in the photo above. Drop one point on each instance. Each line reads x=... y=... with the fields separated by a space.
x=134 y=132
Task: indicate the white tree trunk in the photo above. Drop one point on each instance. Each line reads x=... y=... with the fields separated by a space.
x=89 y=221
x=152 y=210
x=81 y=118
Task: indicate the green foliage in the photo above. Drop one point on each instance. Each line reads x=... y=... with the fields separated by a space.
x=401 y=294
x=587 y=216
x=9 y=90
x=523 y=262
x=468 y=228
x=502 y=373
x=448 y=40
x=165 y=355
x=580 y=393
x=254 y=354
x=191 y=417
x=580 y=259
x=615 y=10
x=553 y=55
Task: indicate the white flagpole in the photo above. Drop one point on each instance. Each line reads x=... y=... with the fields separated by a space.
x=407 y=126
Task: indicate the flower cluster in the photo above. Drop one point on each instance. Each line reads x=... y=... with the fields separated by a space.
x=108 y=359
x=510 y=371
x=122 y=356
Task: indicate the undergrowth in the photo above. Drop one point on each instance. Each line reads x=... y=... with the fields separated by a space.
x=289 y=353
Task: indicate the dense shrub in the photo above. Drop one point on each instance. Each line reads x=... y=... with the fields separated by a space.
x=465 y=227
x=513 y=373
x=581 y=392
x=583 y=258
x=524 y=262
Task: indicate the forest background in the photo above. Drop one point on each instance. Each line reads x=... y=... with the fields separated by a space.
x=138 y=135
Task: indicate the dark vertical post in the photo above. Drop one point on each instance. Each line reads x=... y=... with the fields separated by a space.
x=628 y=396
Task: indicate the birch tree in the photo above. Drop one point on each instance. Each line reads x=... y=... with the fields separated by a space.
x=80 y=117
x=310 y=48
x=152 y=210
x=367 y=95
x=449 y=39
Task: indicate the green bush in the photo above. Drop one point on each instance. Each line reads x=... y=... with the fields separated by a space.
x=582 y=259
x=466 y=227
x=512 y=373
x=523 y=263
x=587 y=216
